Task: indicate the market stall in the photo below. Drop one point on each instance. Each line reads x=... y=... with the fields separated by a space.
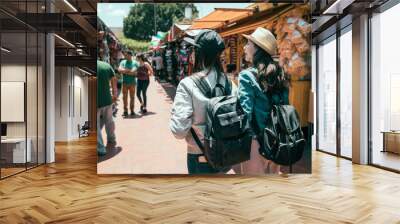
x=289 y=23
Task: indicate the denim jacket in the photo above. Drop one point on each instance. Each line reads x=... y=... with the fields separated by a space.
x=252 y=99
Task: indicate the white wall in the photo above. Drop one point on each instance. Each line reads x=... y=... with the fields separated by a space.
x=70 y=84
x=33 y=127
x=16 y=73
x=61 y=103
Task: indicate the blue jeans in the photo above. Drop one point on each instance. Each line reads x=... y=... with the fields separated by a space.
x=196 y=167
x=105 y=118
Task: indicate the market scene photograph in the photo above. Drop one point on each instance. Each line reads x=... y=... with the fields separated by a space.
x=204 y=88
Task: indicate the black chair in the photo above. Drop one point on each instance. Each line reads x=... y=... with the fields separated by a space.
x=84 y=130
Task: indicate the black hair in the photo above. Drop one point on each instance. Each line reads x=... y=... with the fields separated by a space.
x=230 y=68
x=270 y=75
x=207 y=60
x=142 y=57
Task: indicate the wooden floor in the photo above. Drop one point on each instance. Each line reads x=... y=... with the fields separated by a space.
x=387 y=159
x=70 y=191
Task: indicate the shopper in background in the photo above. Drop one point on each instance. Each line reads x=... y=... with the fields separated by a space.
x=261 y=86
x=105 y=78
x=128 y=68
x=143 y=75
x=169 y=62
x=158 y=61
x=189 y=108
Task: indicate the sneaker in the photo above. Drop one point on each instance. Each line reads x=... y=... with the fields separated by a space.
x=125 y=114
x=101 y=151
x=144 y=110
x=133 y=113
x=111 y=145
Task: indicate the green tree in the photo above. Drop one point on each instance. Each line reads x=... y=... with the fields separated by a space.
x=139 y=24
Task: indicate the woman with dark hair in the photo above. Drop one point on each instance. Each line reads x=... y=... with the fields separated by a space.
x=143 y=75
x=189 y=108
x=261 y=86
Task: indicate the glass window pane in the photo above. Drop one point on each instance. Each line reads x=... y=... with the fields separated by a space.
x=385 y=89
x=346 y=94
x=327 y=96
x=13 y=77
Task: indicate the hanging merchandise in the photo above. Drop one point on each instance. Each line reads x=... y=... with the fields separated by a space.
x=191 y=61
x=293 y=38
x=233 y=48
x=183 y=62
x=169 y=63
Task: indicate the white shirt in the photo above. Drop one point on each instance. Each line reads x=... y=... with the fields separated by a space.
x=159 y=62
x=189 y=110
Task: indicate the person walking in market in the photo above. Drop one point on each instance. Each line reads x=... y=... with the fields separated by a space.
x=105 y=78
x=143 y=75
x=159 y=66
x=128 y=68
x=261 y=86
x=189 y=107
x=119 y=79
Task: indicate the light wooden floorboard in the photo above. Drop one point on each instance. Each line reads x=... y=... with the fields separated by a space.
x=70 y=191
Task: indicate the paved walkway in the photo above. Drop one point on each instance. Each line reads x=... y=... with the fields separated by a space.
x=146 y=145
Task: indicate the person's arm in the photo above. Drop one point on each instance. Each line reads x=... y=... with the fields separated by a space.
x=246 y=96
x=114 y=88
x=182 y=112
x=121 y=68
x=285 y=96
x=113 y=82
x=132 y=72
x=149 y=69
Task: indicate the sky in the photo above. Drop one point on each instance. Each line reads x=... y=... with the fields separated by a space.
x=113 y=14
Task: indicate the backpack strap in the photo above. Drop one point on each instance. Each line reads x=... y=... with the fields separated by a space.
x=206 y=89
x=202 y=85
x=228 y=86
x=197 y=140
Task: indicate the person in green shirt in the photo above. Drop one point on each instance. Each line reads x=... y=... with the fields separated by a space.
x=105 y=77
x=128 y=68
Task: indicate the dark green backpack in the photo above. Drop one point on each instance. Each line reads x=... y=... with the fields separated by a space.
x=282 y=139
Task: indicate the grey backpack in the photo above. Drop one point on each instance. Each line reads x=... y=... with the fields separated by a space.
x=226 y=139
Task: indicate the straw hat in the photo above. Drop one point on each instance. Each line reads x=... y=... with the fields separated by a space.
x=264 y=39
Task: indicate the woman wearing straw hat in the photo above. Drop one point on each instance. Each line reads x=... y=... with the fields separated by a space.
x=260 y=86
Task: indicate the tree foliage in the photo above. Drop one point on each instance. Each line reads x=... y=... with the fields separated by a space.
x=135 y=45
x=139 y=24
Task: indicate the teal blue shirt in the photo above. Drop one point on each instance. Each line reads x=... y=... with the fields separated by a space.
x=252 y=98
x=129 y=79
